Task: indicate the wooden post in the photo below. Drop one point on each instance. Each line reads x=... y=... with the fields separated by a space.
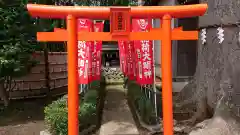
x=72 y=76
x=166 y=58
x=47 y=76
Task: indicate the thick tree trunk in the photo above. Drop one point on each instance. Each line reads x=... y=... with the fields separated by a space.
x=216 y=87
x=4 y=94
x=217 y=77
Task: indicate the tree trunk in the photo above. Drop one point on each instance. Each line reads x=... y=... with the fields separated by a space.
x=217 y=76
x=3 y=93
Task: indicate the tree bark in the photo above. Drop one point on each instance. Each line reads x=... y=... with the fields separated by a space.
x=217 y=76
x=216 y=86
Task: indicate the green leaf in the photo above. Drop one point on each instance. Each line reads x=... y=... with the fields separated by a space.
x=16 y=32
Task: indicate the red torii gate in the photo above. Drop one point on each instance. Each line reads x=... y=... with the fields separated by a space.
x=120 y=18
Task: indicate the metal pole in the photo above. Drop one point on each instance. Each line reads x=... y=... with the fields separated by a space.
x=145 y=90
x=81 y=88
x=154 y=81
x=166 y=53
x=149 y=93
x=140 y=4
x=72 y=76
x=86 y=88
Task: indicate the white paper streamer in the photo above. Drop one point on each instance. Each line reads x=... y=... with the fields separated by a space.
x=220 y=34
x=203 y=35
x=238 y=36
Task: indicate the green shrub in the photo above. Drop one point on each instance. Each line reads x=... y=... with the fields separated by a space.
x=87 y=114
x=143 y=105
x=56 y=114
x=95 y=84
x=90 y=96
x=134 y=90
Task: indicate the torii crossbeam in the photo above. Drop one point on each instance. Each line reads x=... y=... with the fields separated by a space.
x=120 y=18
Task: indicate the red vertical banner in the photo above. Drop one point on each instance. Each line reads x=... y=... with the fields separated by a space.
x=130 y=69
x=94 y=59
x=143 y=53
x=134 y=60
x=97 y=53
x=123 y=56
x=88 y=67
x=138 y=61
x=120 y=48
x=147 y=61
x=84 y=53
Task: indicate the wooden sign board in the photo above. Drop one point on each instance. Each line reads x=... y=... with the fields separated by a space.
x=120 y=21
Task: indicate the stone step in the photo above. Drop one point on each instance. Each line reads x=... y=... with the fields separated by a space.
x=177 y=86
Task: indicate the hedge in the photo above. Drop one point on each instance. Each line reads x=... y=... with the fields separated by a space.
x=56 y=117
x=143 y=105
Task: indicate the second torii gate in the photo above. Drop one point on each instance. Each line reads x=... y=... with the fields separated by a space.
x=120 y=18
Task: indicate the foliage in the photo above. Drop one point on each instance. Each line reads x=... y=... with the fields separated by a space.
x=187 y=2
x=56 y=113
x=143 y=104
x=105 y=2
x=17 y=41
x=95 y=84
x=90 y=96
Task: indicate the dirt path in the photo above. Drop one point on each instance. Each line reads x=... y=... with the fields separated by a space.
x=23 y=117
x=117 y=118
x=26 y=117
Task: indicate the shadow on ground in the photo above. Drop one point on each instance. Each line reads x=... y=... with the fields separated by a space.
x=23 y=117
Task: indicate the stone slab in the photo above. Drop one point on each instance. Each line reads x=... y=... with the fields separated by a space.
x=44 y=132
x=117 y=118
x=177 y=86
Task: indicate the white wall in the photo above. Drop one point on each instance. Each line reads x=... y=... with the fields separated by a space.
x=157 y=44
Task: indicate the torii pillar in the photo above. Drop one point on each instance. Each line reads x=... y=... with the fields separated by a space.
x=120 y=30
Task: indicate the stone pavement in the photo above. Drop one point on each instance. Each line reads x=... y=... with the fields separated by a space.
x=117 y=118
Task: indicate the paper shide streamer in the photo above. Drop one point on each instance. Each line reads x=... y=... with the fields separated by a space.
x=220 y=34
